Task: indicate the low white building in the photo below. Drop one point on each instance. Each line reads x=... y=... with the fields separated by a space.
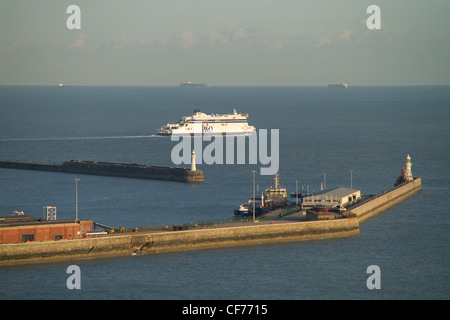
x=338 y=196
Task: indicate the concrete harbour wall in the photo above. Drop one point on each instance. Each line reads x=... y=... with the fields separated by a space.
x=112 y=169
x=387 y=199
x=172 y=241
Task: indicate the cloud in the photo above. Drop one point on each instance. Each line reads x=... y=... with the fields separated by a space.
x=363 y=23
x=17 y=40
x=327 y=37
x=237 y=33
x=276 y=45
x=187 y=40
x=79 y=42
x=232 y=37
x=212 y=38
x=235 y=37
x=346 y=34
x=324 y=40
x=11 y=46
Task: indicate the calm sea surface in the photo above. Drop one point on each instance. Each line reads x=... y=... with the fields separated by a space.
x=368 y=130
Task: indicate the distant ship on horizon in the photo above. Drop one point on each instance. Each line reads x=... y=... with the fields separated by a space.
x=194 y=85
x=338 y=85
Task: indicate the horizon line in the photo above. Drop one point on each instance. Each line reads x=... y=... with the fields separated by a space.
x=218 y=86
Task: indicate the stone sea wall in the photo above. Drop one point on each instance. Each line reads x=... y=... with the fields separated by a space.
x=172 y=241
x=387 y=199
x=112 y=169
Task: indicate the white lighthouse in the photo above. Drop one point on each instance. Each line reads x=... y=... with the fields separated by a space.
x=408 y=173
x=193 y=168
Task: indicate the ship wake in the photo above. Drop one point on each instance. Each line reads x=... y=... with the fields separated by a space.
x=80 y=138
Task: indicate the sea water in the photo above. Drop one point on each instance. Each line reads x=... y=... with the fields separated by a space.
x=358 y=136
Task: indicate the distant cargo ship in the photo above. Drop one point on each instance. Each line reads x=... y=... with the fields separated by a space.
x=194 y=85
x=201 y=123
x=338 y=85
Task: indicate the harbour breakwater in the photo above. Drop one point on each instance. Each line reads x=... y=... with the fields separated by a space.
x=112 y=169
x=214 y=237
x=386 y=199
x=173 y=241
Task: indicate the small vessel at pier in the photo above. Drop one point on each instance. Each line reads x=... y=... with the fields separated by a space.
x=242 y=210
x=276 y=197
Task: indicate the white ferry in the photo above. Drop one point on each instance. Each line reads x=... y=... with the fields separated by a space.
x=201 y=123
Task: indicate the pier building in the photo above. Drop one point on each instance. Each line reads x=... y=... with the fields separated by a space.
x=335 y=197
x=23 y=228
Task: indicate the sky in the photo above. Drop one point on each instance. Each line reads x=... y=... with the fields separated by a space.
x=224 y=42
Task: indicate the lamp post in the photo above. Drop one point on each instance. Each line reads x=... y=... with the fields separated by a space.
x=296 y=193
x=76 y=198
x=351 y=179
x=253 y=194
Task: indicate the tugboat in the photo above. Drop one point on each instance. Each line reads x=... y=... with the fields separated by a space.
x=246 y=209
x=242 y=210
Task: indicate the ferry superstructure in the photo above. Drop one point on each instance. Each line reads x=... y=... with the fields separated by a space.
x=201 y=123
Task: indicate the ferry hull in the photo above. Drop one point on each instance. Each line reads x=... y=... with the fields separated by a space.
x=207 y=134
